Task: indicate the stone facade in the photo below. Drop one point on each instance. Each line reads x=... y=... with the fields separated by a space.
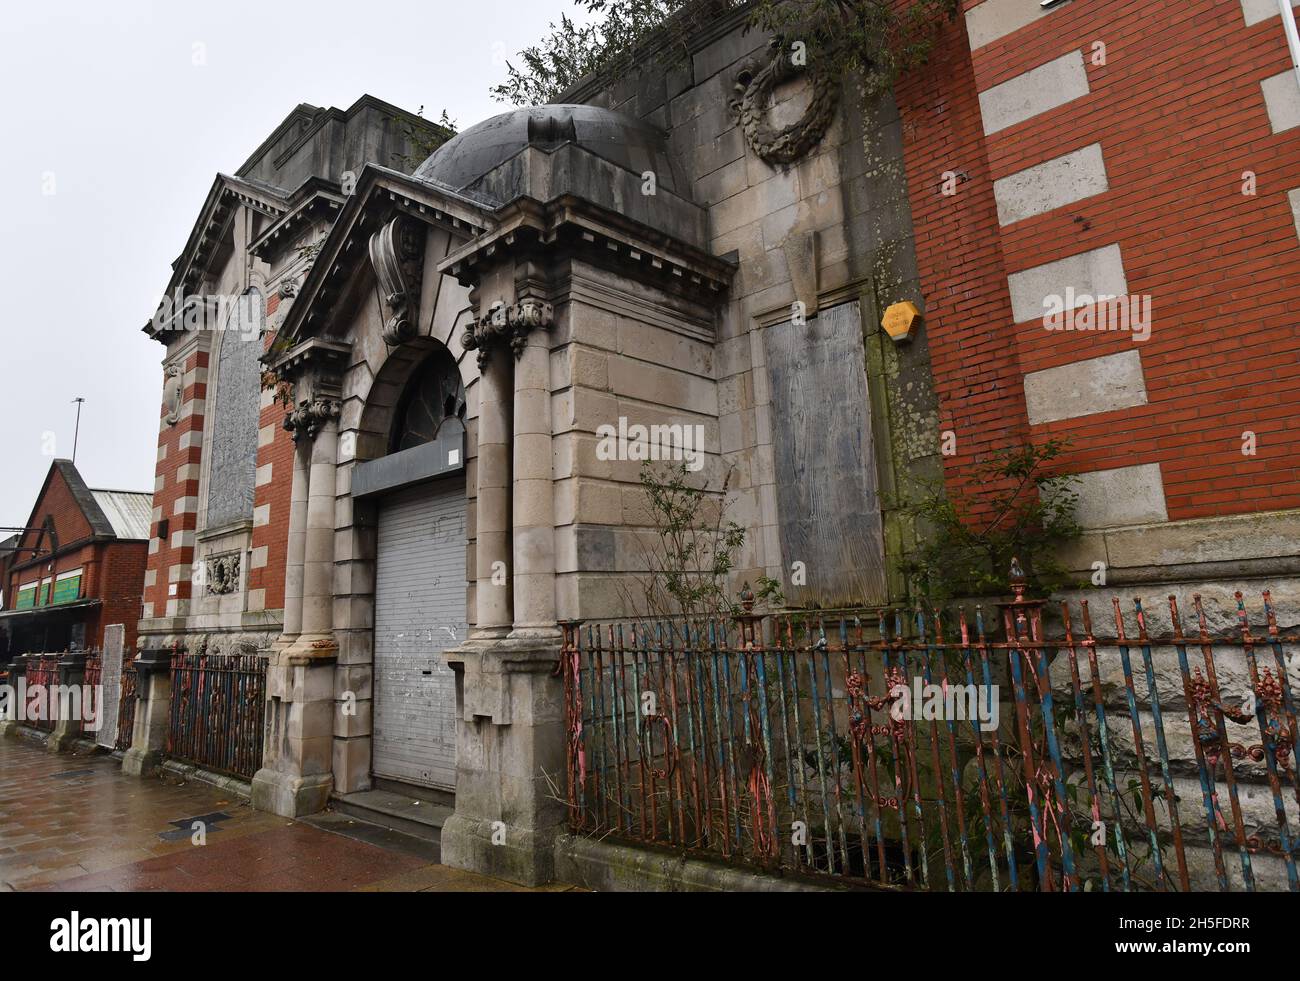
x=217 y=566
x=710 y=247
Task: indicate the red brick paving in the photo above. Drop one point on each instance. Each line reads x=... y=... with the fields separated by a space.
x=99 y=832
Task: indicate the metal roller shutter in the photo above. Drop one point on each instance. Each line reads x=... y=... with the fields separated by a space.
x=419 y=613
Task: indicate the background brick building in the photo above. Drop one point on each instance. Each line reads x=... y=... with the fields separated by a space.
x=77 y=568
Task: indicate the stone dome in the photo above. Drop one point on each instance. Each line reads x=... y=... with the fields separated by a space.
x=624 y=140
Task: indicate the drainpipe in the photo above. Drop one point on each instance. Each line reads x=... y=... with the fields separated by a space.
x=1292 y=35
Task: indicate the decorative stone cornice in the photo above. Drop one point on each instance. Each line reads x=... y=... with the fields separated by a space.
x=571 y=226
x=504 y=325
x=315 y=369
x=397 y=254
x=754 y=84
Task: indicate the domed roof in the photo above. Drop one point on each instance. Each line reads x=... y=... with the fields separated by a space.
x=624 y=140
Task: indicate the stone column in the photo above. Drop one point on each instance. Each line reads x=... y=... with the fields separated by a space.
x=9 y=719
x=318 y=565
x=297 y=550
x=492 y=600
x=510 y=738
x=68 y=707
x=297 y=772
x=152 y=707
x=533 y=492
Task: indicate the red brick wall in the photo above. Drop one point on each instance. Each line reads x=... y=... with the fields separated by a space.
x=1178 y=111
x=121 y=583
x=58 y=503
x=164 y=500
x=274 y=536
x=111 y=571
x=960 y=260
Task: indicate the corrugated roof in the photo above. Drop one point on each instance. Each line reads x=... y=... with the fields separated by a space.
x=129 y=512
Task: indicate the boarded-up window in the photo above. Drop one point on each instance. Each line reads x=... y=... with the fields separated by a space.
x=67 y=587
x=26 y=596
x=233 y=472
x=827 y=494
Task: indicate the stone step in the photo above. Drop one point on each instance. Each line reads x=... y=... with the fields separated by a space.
x=409 y=814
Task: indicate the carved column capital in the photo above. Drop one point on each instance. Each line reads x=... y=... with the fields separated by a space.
x=317 y=402
x=507 y=325
x=310 y=416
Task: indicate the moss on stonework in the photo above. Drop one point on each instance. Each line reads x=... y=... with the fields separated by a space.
x=904 y=411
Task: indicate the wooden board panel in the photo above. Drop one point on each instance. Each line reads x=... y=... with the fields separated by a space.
x=827 y=492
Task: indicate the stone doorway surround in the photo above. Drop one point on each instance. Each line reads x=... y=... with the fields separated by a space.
x=551 y=246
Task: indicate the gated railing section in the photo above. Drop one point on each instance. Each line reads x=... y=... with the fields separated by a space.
x=126 y=712
x=93 y=679
x=923 y=750
x=217 y=711
x=42 y=670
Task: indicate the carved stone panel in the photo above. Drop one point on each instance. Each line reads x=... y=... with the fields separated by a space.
x=221 y=574
x=233 y=440
x=174 y=393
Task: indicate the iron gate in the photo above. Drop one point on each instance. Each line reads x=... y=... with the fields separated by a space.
x=218 y=710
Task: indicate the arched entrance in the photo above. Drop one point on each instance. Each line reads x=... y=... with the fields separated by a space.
x=418 y=492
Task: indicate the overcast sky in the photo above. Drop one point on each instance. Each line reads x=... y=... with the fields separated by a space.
x=113 y=139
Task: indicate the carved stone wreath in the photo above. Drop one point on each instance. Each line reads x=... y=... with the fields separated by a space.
x=754 y=85
x=223 y=574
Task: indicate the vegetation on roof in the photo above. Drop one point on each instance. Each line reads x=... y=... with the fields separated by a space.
x=875 y=40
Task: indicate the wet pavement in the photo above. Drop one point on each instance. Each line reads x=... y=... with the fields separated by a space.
x=74 y=822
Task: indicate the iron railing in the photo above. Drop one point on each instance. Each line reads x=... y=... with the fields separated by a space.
x=217 y=711
x=126 y=709
x=787 y=744
x=92 y=679
x=43 y=670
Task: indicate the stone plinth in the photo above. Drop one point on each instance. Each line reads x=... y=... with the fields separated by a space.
x=509 y=761
x=153 y=703
x=67 y=723
x=297 y=772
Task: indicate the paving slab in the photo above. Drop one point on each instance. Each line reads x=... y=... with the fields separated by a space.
x=75 y=823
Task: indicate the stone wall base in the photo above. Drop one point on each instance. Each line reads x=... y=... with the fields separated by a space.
x=187 y=772
x=16 y=730
x=519 y=856
x=140 y=762
x=613 y=867
x=61 y=740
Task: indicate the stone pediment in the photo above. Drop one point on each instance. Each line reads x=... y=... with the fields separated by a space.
x=212 y=229
x=346 y=265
